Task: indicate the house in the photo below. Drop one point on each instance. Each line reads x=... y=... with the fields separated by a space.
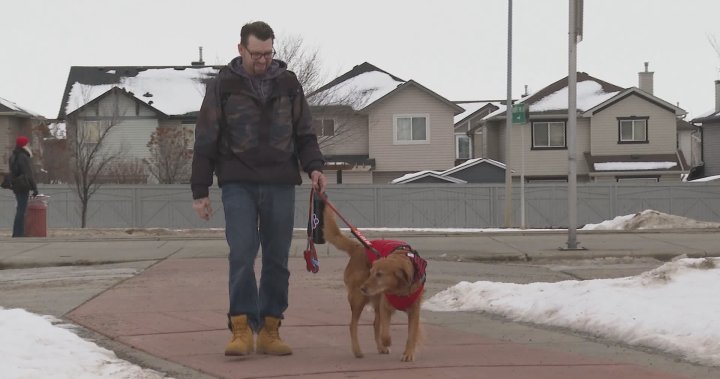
x=374 y=127
x=709 y=124
x=476 y=170
x=622 y=134
x=134 y=101
x=469 y=141
x=15 y=121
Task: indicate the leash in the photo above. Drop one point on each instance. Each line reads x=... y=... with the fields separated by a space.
x=363 y=240
x=312 y=263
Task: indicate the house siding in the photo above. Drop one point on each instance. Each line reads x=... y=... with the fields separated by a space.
x=537 y=162
x=711 y=148
x=133 y=125
x=13 y=127
x=351 y=135
x=493 y=142
x=438 y=154
x=662 y=129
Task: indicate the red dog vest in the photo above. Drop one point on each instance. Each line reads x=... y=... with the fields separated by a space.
x=387 y=247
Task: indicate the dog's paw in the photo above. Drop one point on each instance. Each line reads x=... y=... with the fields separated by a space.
x=386 y=340
x=408 y=357
x=358 y=354
x=383 y=350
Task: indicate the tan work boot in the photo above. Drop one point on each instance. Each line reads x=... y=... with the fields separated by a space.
x=269 y=341
x=242 y=337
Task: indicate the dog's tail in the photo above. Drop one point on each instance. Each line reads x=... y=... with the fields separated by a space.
x=333 y=234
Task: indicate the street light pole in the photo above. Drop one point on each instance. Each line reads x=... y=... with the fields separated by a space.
x=508 y=124
x=574 y=34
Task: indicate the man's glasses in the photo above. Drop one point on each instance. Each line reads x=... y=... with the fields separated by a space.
x=256 y=56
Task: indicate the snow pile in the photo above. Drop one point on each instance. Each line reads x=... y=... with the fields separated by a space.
x=650 y=219
x=672 y=308
x=32 y=347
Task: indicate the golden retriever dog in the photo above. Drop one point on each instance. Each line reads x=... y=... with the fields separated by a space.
x=394 y=275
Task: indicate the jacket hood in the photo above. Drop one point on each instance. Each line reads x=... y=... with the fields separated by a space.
x=276 y=68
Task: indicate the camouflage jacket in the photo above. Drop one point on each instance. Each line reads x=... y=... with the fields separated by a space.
x=242 y=137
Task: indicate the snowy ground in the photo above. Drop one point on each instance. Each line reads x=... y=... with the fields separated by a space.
x=33 y=346
x=672 y=308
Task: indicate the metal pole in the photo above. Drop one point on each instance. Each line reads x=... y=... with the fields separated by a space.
x=522 y=177
x=508 y=124
x=571 y=129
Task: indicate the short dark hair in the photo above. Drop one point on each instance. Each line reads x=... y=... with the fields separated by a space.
x=261 y=30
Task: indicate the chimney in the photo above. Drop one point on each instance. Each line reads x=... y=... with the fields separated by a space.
x=717 y=96
x=645 y=80
x=199 y=62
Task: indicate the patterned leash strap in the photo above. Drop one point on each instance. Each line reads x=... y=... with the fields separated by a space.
x=312 y=264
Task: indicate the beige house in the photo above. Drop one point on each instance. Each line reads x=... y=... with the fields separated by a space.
x=16 y=121
x=122 y=106
x=374 y=127
x=622 y=134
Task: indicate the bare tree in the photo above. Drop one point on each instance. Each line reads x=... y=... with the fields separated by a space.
x=91 y=149
x=127 y=171
x=716 y=46
x=170 y=154
x=303 y=61
x=338 y=104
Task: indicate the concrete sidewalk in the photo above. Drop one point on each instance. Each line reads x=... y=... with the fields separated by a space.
x=175 y=309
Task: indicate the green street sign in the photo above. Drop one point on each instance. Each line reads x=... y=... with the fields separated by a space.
x=519 y=114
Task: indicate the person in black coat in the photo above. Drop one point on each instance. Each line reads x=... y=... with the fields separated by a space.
x=20 y=165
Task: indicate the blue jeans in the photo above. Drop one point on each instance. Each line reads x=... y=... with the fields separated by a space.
x=258 y=215
x=19 y=223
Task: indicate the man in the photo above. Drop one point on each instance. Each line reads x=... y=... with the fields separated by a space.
x=253 y=128
x=22 y=182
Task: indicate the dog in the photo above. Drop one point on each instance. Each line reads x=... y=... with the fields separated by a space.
x=389 y=283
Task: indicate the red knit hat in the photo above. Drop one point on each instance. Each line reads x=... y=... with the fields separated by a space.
x=21 y=141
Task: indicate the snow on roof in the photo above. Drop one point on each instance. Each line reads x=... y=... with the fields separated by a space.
x=706 y=179
x=445 y=174
x=633 y=166
x=358 y=91
x=12 y=106
x=589 y=94
x=414 y=175
x=174 y=92
x=470 y=108
x=471 y=162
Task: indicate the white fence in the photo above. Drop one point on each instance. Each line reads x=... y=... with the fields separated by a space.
x=420 y=205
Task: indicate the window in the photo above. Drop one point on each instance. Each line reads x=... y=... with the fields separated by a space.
x=411 y=129
x=189 y=135
x=548 y=135
x=633 y=130
x=324 y=127
x=462 y=146
x=91 y=132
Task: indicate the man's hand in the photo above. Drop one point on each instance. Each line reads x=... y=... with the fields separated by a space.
x=318 y=181
x=203 y=208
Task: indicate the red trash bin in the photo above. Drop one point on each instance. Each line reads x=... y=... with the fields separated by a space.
x=36 y=216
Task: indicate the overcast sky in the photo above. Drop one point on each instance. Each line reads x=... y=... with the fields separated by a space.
x=456 y=48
